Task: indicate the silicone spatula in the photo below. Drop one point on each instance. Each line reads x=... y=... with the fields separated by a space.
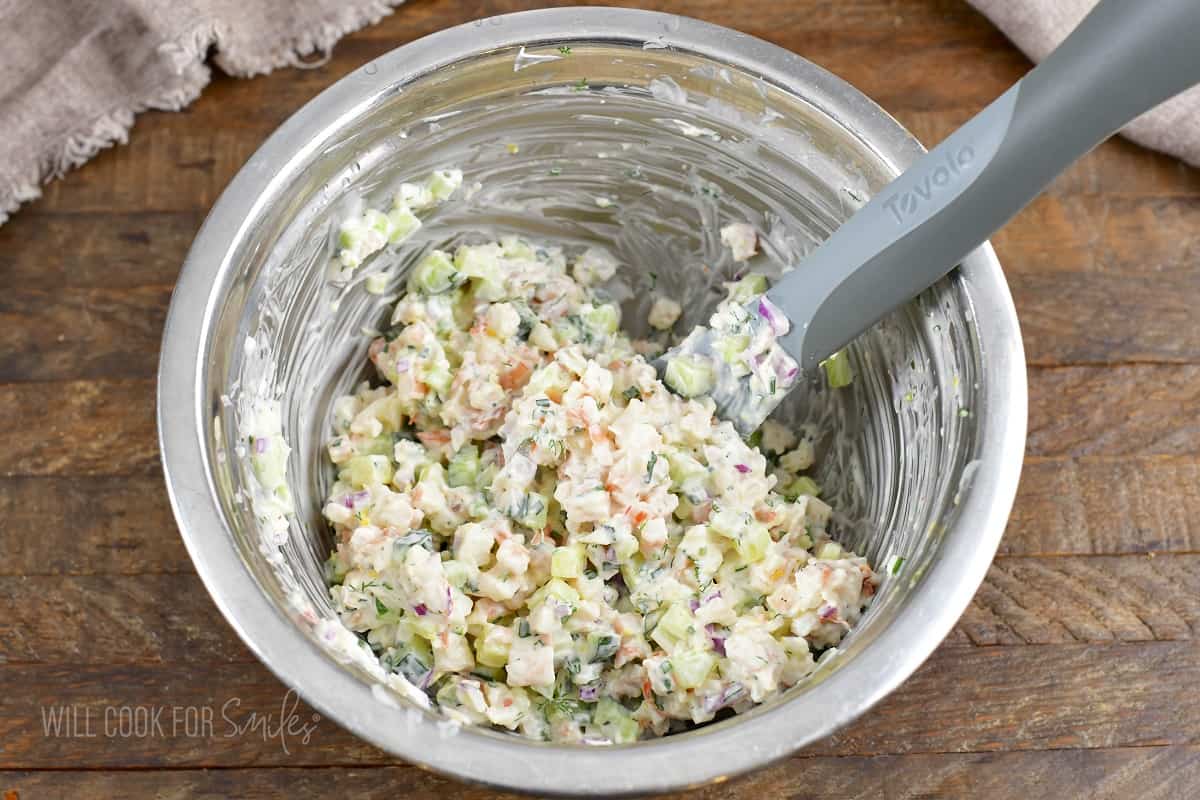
x=1124 y=58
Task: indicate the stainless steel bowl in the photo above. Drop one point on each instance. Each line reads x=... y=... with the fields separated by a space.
x=679 y=126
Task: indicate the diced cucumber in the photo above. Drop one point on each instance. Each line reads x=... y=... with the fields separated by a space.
x=363 y=471
x=434 y=274
x=684 y=468
x=803 y=486
x=443 y=182
x=603 y=319
x=753 y=544
x=689 y=376
x=615 y=721
x=404 y=223
x=463 y=467
x=748 y=288
x=557 y=589
x=731 y=348
x=728 y=522
x=691 y=667
x=678 y=622
x=458 y=573
x=491 y=649
x=566 y=562
x=438 y=378
x=530 y=511
x=831 y=551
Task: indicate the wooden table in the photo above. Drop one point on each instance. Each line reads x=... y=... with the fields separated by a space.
x=1073 y=674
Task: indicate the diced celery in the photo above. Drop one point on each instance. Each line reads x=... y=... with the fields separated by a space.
x=689 y=376
x=748 y=288
x=753 y=544
x=803 y=486
x=434 y=274
x=831 y=551
x=615 y=721
x=838 y=370
x=566 y=562
x=731 y=348
x=691 y=667
x=463 y=467
x=677 y=622
x=491 y=649
x=404 y=223
x=367 y=470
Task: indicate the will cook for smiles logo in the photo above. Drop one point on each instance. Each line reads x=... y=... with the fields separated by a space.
x=287 y=725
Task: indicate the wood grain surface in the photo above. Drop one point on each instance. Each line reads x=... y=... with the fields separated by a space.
x=1073 y=673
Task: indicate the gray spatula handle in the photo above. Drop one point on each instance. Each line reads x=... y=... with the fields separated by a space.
x=1126 y=57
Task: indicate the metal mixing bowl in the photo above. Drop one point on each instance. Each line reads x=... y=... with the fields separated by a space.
x=677 y=127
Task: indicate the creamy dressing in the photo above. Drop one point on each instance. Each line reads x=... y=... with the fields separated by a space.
x=535 y=533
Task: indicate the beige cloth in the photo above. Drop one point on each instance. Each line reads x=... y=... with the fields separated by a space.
x=74 y=72
x=1038 y=26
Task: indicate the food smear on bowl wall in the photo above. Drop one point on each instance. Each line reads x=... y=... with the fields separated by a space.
x=535 y=532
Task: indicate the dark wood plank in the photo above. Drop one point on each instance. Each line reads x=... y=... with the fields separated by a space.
x=100 y=250
x=88 y=526
x=1086 y=599
x=1148 y=773
x=103 y=427
x=1120 y=411
x=68 y=333
x=977 y=699
x=1106 y=505
x=147 y=619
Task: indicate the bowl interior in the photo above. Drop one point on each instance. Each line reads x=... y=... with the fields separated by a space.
x=648 y=151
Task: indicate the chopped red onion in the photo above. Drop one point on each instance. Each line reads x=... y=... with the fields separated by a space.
x=420 y=609
x=449 y=602
x=774 y=317
x=260 y=444
x=718 y=642
x=589 y=693
x=827 y=613
x=742 y=468
x=693 y=604
x=358 y=498
x=402 y=365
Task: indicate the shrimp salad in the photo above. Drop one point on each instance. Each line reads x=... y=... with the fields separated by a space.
x=535 y=532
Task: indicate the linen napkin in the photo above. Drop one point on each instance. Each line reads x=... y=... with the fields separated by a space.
x=1038 y=26
x=74 y=72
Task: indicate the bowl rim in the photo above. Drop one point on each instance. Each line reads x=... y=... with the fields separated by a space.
x=719 y=752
